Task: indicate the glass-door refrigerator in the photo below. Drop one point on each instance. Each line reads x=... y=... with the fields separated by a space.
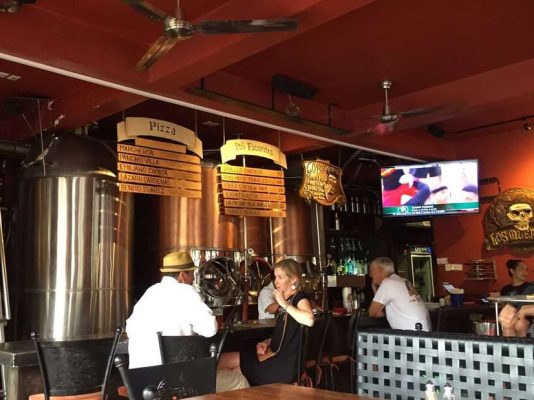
x=417 y=267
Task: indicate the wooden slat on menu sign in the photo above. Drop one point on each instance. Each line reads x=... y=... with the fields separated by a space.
x=254 y=204
x=253 y=196
x=154 y=144
x=252 y=179
x=159 y=190
x=158 y=181
x=250 y=187
x=232 y=169
x=245 y=212
x=146 y=152
x=154 y=162
x=161 y=172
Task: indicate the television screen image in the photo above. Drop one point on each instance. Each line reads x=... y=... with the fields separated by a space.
x=437 y=188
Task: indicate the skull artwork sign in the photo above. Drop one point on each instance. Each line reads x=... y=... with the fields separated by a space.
x=508 y=221
x=520 y=214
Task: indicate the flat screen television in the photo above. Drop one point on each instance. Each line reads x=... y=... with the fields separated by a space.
x=436 y=188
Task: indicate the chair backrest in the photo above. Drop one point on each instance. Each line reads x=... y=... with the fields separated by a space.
x=75 y=367
x=169 y=381
x=316 y=339
x=184 y=348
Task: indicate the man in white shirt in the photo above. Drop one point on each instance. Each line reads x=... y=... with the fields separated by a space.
x=267 y=305
x=174 y=308
x=396 y=298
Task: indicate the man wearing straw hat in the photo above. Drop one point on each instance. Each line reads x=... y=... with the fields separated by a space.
x=175 y=308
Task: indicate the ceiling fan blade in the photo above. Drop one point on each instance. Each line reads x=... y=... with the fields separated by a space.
x=147 y=9
x=382 y=128
x=156 y=51
x=418 y=111
x=247 y=26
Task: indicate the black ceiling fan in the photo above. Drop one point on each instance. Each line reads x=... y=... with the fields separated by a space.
x=388 y=119
x=177 y=28
x=13 y=6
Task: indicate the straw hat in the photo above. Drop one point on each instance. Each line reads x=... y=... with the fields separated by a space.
x=177 y=261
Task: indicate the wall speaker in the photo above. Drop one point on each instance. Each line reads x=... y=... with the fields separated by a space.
x=293 y=87
x=435 y=131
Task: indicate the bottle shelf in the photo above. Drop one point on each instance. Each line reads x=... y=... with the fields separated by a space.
x=481 y=270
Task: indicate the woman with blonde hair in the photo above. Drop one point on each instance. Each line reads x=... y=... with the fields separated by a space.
x=275 y=360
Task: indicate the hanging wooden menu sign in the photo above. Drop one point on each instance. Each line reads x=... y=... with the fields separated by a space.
x=157 y=167
x=321 y=182
x=253 y=192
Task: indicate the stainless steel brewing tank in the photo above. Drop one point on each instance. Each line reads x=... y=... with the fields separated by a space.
x=74 y=233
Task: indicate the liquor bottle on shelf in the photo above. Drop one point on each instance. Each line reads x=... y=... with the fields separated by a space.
x=358 y=206
x=332 y=247
x=337 y=222
x=349 y=267
x=365 y=207
x=340 y=268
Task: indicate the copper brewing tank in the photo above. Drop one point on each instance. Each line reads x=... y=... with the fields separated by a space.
x=186 y=223
x=292 y=235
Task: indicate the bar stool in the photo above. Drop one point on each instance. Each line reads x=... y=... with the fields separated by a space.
x=74 y=369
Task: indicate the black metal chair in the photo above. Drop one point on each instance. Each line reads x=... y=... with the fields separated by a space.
x=171 y=380
x=185 y=348
x=347 y=356
x=76 y=368
x=314 y=348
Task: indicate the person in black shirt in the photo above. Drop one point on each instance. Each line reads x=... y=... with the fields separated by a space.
x=518 y=271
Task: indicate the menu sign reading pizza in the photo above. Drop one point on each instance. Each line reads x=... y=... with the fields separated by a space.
x=157 y=167
x=248 y=191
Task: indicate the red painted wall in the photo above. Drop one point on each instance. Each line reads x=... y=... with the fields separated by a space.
x=509 y=156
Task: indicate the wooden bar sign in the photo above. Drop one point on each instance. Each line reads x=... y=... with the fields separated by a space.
x=253 y=192
x=158 y=167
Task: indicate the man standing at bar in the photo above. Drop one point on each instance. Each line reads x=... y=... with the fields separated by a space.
x=395 y=298
x=174 y=308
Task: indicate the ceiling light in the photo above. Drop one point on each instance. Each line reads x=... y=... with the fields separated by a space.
x=527 y=126
x=210 y=123
x=13 y=77
x=3 y=74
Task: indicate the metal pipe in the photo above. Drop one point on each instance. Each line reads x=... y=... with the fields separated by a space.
x=7 y=146
x=271 y=242
x=244 y=303
x=5 y=288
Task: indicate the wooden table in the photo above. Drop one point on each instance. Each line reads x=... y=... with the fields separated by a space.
x=280 y=391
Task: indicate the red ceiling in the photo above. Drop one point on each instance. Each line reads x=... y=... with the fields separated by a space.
x=471 y=59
